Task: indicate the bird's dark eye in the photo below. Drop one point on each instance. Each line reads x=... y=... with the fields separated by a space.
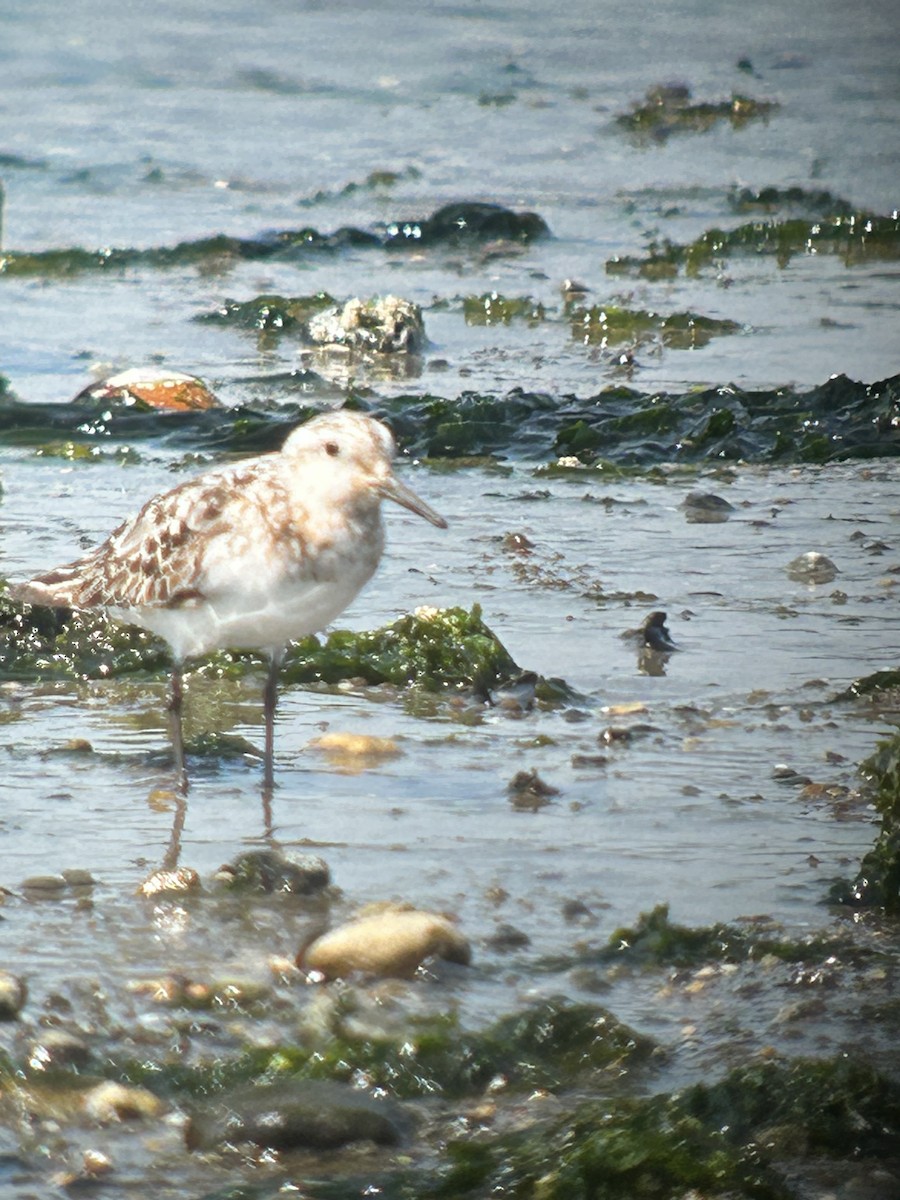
x=332 y=449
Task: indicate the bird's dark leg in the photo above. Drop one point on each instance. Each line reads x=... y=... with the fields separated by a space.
x=176 y=697
x=270 y=700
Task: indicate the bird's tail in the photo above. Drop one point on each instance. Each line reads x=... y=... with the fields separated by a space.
x=59 y=588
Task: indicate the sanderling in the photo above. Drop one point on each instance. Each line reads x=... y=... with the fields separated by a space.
x=248 y=556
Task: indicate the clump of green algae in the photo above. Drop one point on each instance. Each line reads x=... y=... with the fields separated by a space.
x=433 y=649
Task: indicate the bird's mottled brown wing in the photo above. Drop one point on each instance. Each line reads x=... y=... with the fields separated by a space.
x=156 y=557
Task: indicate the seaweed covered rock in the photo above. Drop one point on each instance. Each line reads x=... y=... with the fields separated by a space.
x=267 y=313
x=668 y=109
x=878 y=880
x=841 y=419
x=435 y=649
x=838 y=420
x=51 y=643
x=454 y=225
x=713 y=1139
x=270 y=871
x=853 y=237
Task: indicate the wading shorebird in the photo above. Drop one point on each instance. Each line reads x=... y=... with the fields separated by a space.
x=248 y=556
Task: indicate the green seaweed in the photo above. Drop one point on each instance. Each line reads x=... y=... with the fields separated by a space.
x=553 y=1044
x=433 y=649
x=268 y=313
x=654 y=942
x=878 y=879
x=668 y=110
x=613 y=324
x=811 y=201
x=853 y=237
x=455 y=224
x=493 y=309
x=841 y=419
x=713 y=1138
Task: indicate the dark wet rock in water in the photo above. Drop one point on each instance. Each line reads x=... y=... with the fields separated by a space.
x=880 y=686
x=514 y=695
x=383 y=325
x=214 y=744
x=13 y=994
x=453 y=225
x=44 y=887
x=653 y=633
x=517 y=543
x=808 y=201
x=706 y=508
x=529 y=792
x=507 y=938
x=272 y=871
x=297 y=1114
x=812 y=567
x=782 y=773
x=466 y=221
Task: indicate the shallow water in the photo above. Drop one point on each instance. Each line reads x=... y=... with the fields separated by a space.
x=159 y=126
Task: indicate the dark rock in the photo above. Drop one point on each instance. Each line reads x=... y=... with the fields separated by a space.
x=506 y=937
x=528 y=791
x=309 y=1113
x=706 y=508
x=270 y=871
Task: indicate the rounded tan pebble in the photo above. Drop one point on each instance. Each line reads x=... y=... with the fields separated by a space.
x=13 y=994
x=112 y=1101
x=183 y=879
x=394 y=942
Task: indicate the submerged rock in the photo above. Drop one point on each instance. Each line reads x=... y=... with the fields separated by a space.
x=393 y=942
x=296 y=1114
x=706 y=508
x=383 y=325
x=354 y=752
x=528 y=791
x=653 y=633
x=812 y=567
x=273 y=871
